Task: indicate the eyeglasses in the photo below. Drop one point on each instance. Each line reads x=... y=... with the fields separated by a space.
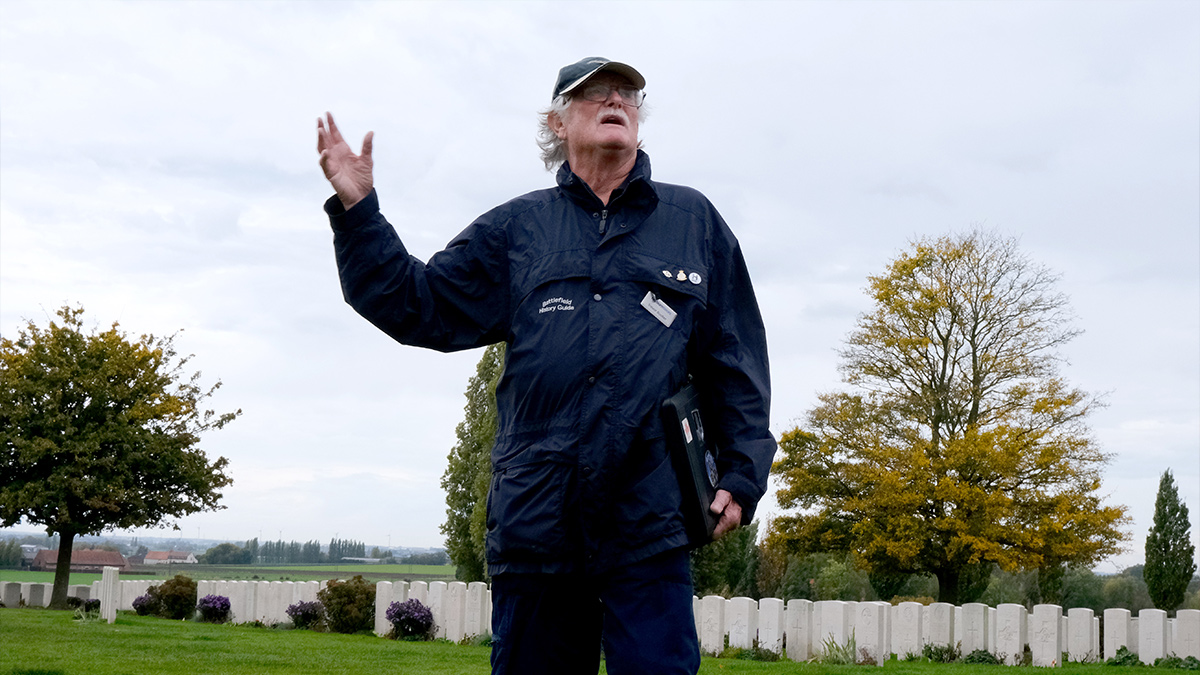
x=598 y=92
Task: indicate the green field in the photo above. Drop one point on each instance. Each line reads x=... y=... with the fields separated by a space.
x=255 y=572
x=44 y=642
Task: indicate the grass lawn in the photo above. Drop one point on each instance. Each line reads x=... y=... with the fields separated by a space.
x=44 y=642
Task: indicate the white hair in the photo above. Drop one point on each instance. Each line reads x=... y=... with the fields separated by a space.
x=554 y=149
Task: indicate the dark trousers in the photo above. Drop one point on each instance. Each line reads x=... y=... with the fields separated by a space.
x=555 y=624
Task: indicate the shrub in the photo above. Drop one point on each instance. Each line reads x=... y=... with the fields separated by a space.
x=835 y=654
x=349 y=605
x=1190 y=663
x=306 y=614
x=941 y=653
x=146 y=604
x=411 y=620
x=176 y=596
x=1124 y=657
x=981 y=657
x=214 y=608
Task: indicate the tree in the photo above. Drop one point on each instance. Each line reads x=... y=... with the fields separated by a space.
x=99 y=432
x=226 y=554
x=1170 y=555
x=958 y=445
x=469 y=470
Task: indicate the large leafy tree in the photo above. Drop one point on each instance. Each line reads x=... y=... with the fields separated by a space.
x=98 y=432
x=469 y=470
x=959 y=446
x=1170 y=554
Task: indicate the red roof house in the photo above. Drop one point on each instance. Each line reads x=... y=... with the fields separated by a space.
x=85 y=560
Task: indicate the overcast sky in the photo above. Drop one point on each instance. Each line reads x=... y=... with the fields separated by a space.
x=158 y=168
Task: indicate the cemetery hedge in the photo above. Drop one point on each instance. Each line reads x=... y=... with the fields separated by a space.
x=53 y=642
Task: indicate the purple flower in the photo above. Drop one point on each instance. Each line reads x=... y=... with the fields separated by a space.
x=411 y=618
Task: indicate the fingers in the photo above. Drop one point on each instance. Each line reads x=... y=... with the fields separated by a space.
x=368 y=144
x=731 y=513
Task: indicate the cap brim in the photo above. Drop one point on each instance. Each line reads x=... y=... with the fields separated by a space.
x=625 y=70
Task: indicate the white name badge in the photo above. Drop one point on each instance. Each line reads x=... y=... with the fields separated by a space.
x=658 y=308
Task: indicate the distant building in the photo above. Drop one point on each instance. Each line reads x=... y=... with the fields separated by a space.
x=86 y=560
x=169 y=558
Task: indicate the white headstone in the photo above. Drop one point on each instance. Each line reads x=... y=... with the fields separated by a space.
x=475 y=622
x=1045 y=636
x=940 y=629
x=437 y=605
x=455 y=611
x=10 y=594
x=836 y=622
x=870 y=631
x=108 y=593
x=38 y=596
x=1187 y=633
x=81 y=591
x=419 y=590
x=1134 y=641
x=383 y=600
x=1012 y=621
x=975 y=628
x=696 y=614
x=770 y=624
x=1081 y=636
x=1116 y=631
x=1152 y=635
x=262 y=602
x=712 y=624
x=743 y=622
x=993 y=616
x=958 y=625
x=799 y=619
x=906 y=629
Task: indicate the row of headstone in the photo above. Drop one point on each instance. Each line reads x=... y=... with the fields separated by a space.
x=460 y=610
x=806 y=629
x=12 y=593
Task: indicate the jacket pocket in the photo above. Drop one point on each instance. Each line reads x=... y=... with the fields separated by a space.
x=527 y=507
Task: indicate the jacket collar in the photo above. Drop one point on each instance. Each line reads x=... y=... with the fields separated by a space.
x=636 y=190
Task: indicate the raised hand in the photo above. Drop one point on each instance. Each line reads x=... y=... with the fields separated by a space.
x=351 y=175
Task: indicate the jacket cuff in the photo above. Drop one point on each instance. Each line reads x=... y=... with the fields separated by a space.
x=342 y=220
x=744 y=491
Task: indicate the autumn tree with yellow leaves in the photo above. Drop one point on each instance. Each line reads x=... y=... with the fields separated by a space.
x=958 y=445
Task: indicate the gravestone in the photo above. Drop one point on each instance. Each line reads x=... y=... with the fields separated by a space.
x=109 y=579
x=958 y=625
x=1153 y=636
x=1045 y=636
x=383 y=600
x=1187 y=633
x=1116 y=631
x=696 y=614
x=437 y=605
x=475 y=622
x=992 y=617
x=771 y=624
x=870 y=631
x=907 y=628
x=455 y=610
x=799 y=620
x=10 y=594
x=37 y=596
x=1081 y=635
x=835 y=623
x=975 y=628
x=81 y=591
x=419 y=591
x=743 y=622
x=712 y=624
x=1011 y=633
x=941 y=625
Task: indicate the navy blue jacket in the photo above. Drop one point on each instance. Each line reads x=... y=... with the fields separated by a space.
x=581 y=478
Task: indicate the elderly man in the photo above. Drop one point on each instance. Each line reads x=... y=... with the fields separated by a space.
x=611 y=292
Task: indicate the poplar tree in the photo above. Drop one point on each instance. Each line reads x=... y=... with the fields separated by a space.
x=469 y=470
x=1170 y=554
x=958 y=446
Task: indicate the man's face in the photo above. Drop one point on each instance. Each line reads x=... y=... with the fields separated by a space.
x=609 y=125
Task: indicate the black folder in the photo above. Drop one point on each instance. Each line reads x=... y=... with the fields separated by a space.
x=695 y=462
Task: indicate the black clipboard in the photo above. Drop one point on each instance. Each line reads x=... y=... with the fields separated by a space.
x=695 y=462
